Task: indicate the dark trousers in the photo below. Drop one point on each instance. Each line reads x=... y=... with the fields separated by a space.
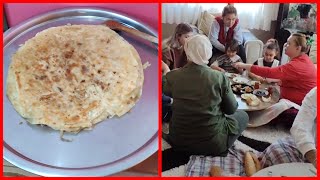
x=172 y=158
x=166 y=108
x=286 y=118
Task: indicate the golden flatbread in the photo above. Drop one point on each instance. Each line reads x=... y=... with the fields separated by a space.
x=72 y=77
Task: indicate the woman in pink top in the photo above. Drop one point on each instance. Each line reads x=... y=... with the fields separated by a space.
x=297 y=77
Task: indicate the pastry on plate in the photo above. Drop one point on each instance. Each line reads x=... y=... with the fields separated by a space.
x=72 y=77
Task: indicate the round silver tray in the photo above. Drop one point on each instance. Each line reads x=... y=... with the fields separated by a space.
x=113 y=145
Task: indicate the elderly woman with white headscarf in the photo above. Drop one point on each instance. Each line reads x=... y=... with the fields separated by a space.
x=205 y=119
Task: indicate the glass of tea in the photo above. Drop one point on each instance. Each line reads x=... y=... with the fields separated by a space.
x=256 y=85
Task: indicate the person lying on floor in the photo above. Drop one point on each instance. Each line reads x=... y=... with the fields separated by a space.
x=225 y=63
x=205 y=119
x=299 y=147
x=297 y=77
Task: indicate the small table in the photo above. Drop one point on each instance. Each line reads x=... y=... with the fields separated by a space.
x=288 y=170
x=275 y=96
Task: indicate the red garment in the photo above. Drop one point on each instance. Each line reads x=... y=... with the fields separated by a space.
x=298 y=77
x=221 y=38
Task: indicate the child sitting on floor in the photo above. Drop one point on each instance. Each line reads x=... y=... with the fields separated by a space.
x=225 y=63
x=271 y=50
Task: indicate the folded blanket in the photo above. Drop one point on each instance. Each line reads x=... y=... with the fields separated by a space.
x=282 y=151
x=232 y=164
x=259 y=118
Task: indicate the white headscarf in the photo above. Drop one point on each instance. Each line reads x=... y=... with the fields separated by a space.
x=198 y=49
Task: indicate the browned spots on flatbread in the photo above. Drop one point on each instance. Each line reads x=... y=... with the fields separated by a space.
x=73 y=65
x=89 y=108
x=68 y=54
x=43 y=77
x=69 y=75
x=60 y=89
x=81 y=57
x=105 y=40
x=39 y=67
x=30 y=83
x=84 y=69
x=46 y=59
x=55 y=79
x=75 y=118
x=18 y=80
x=47 y=97
x=100 y=83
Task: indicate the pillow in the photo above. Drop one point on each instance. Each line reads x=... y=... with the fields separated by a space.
x=313 y=50
x=205 y=22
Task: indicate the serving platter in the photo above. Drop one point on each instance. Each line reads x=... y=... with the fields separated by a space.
x=288 y=170
x=112 y=145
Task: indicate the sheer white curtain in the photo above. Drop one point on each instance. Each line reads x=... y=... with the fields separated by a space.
x=251 y=15
x=180 y=13
x=257 y=15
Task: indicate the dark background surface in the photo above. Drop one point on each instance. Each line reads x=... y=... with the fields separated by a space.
x=5 y=25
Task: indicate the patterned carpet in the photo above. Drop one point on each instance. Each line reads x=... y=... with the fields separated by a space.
x=257 y=137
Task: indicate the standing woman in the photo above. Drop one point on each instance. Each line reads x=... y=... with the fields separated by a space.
x=226 y=28
x=172 y=49
x=297 y=77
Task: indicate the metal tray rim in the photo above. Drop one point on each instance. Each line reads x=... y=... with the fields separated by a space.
x=7 y=36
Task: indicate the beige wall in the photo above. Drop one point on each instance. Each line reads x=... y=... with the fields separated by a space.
x=167 y=30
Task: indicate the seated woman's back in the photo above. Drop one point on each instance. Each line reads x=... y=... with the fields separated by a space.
x=196 y=88
x=201 y=97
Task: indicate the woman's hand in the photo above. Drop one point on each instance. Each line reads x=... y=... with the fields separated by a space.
x=261 y=79
x=240 y=65
x=279 y=83
x=164 y=68
x=214 y=67
x=222 y=70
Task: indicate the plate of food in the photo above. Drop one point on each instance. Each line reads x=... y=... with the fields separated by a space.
x=241 y=80
x=254 y=82
x=251 y=99
x=241 y=88
x=261 y=92
x=79 y=97
x=288 y=170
